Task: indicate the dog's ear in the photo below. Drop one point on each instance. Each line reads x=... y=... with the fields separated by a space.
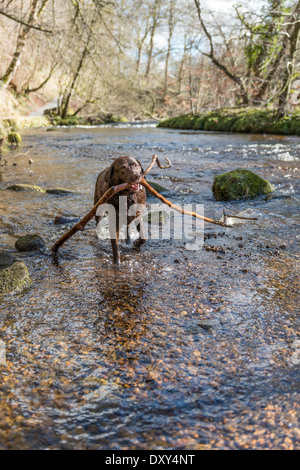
x=141 y=166
x=110 y=176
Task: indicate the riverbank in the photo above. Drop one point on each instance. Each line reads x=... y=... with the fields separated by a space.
x=9 y=128
x=244 y=120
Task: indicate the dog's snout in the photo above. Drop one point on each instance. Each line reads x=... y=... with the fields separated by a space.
x=135 y=177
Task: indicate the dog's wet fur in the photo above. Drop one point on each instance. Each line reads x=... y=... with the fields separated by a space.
x=122 y=170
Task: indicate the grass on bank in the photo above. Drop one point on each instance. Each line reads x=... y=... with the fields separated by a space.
x=244 y=120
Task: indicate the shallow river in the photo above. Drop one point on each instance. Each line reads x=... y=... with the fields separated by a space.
x=178 y=349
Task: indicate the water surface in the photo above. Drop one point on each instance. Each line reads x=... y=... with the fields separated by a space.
x=178 y=349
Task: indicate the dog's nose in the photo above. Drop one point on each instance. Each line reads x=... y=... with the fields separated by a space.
x=135 y=177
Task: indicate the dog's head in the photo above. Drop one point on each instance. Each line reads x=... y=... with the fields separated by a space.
x=126 y=170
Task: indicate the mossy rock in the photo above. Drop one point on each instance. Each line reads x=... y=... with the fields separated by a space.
x=160 y=189
x=114 y=118
x=31 y=242
x=68 y=121
x=14 y=279
x=240 y=184
x=94 y=121
x=25 y=187
x=14 y=138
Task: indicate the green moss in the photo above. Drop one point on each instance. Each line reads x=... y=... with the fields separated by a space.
x=14 y=279
x=239 y=184
x=244 y=120
x=68 y=121
x=186 y=121
x=115 y=118
x=25 y=187
x=14 y=138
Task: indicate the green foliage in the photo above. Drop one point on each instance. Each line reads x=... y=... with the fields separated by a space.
x=265 y=39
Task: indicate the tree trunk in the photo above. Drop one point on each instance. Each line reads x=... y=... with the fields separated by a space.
x=171 y=29
x=181 y=67
x=66 y=100
x=290 y=63
x=235 y=78
x=67 y=96
x=21 y=41
x=257 y=99
x=155 y=16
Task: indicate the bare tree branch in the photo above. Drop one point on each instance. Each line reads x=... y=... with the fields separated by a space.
x=17 y=20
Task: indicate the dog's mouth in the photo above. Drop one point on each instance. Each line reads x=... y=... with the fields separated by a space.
x=135 y=187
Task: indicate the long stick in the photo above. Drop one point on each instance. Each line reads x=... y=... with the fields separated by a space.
x=115 y=189
x=178 y=209
x=155 y=159
x=82 y=223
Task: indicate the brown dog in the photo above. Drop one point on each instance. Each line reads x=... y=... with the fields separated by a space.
x=122 y=170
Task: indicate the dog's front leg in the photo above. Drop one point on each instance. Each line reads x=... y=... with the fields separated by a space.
x=141 y=240
x=114 y=239
x=128 y=239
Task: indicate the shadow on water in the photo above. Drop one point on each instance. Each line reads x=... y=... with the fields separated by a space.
x=177 y=349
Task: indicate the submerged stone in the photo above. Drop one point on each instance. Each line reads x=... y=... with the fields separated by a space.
x=6 y=259
x=62 y=220
x=32 y=242
x=59 y=191
x=14 y=278
x=240 y=184
x=157 y=217
x=158 y=188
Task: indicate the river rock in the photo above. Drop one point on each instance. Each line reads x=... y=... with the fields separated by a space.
x=59 y=191
x=6 y=259
x=32 y=242
x=160 y=189
x=239 y=184
x=25 y=187
x=63 y=220
x=157 y=217
x=14 y=278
